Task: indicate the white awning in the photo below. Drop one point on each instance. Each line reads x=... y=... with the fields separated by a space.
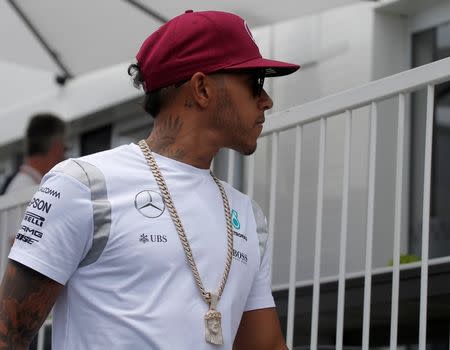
x=90 y=39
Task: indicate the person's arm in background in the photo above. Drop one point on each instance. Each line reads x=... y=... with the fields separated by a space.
x=26 y=299
x=259 y=330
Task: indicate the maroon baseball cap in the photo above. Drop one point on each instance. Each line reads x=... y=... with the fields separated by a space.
x=207 y=42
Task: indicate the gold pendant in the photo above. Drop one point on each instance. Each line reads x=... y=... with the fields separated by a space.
x=213 y=327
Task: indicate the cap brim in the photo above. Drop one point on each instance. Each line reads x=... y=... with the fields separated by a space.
x=273 y=68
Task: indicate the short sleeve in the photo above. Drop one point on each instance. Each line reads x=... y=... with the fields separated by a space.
x=57 y=229
x=260 y=296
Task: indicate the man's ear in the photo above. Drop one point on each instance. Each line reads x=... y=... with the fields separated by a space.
x=203 y=89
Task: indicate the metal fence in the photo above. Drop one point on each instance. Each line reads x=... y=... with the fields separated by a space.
x=321 y=111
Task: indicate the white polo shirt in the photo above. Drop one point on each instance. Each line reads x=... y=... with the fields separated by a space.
x=25 y=178
x=99 y=226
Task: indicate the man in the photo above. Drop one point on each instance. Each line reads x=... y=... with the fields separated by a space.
x=44 y=148
x=141 y=247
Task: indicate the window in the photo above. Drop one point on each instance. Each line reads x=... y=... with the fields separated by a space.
x=428 y=46
x=96 y=140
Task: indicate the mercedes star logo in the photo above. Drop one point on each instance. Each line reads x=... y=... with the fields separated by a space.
x=149 y=203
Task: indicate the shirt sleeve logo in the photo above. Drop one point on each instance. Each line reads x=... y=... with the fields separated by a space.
x=50 y=192
x=40 y=205
x=149 y=203
x=33 y=218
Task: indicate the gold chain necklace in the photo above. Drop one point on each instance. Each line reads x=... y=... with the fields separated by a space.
x=213 y=328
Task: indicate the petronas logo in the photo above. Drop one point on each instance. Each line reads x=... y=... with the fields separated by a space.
x=235 y=219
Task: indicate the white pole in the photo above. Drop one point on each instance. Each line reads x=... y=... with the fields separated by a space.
x=369 y=233
x=4 y=241
x=230 y=176
x=426 y=219
x=250 y=160
x=344 y=220
x=398 y=221
x=273 y=188
x=294 y=235
x=318 y=243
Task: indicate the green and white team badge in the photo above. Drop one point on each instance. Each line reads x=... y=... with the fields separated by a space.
x=235 y=220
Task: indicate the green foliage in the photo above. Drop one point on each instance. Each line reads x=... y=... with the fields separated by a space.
x=405 y=259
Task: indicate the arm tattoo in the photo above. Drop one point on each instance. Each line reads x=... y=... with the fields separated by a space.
x=26 y=298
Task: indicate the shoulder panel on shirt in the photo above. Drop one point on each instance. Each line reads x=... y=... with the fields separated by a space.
x=93 y=178
x=261 y=228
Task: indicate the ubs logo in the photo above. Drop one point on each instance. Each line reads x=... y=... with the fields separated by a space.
x=145 y=238
x=149 y=203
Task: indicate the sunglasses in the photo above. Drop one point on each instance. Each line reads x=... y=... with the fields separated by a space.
x=257 y=77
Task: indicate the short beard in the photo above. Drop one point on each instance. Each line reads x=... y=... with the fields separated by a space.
x=247 y=151
x=227 y=117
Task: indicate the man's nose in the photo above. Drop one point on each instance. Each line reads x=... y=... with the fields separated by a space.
x=265 y=101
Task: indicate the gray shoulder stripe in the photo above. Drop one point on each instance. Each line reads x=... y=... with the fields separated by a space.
x=93 y=178
x=102 y=212
x=261 y=228
x=73 y=169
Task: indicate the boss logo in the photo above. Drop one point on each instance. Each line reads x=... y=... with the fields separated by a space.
x=242 y=257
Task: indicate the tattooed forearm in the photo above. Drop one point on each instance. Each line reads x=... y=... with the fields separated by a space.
x=26 y=298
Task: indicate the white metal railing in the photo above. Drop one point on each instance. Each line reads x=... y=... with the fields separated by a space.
x=370 y=95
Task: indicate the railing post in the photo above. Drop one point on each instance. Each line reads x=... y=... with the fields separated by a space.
x=318 y=241
x=426 y=219
x=250 y=161
x=273 y=188
x=343 y=238
x=294 y=235
x=398 y=221
x=230 y=175
x=369 y=232
x=4 y=241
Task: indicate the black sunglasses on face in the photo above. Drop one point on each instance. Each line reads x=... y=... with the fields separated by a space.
x=257 y=77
